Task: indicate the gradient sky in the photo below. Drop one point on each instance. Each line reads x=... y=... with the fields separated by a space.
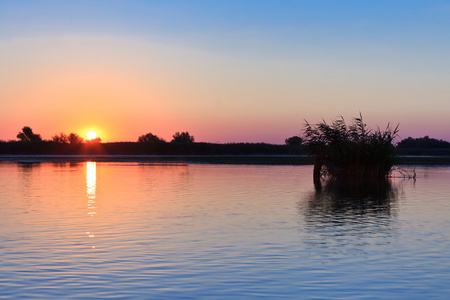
x=226 y=71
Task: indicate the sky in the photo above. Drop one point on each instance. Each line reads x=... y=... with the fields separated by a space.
x=225 y=71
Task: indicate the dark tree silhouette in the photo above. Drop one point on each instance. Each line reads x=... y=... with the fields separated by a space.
x=183 y=137
x=423 y=143
x=294 y=141
x=62 y=138
x=150 y=138
x=74 y=138
x=97 y=140
x=27 y=135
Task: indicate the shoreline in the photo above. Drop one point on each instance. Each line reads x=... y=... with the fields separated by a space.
x=211 y=159
x=208 y=159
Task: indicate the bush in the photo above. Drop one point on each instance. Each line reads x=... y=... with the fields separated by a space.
x=150 y=138
x=350 y=151
x=294 y=141
x=27 y=135
x=423 y=143
x=183 y=137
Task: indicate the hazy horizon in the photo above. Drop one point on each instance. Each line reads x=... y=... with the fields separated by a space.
x=225 y=71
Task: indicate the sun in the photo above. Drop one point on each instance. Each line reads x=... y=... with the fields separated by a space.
x=91 y=135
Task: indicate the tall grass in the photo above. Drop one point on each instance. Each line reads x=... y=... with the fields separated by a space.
x=351 y=151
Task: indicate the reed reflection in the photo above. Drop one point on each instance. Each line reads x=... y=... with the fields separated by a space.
x=91 y=183
x=27 y=184
x=348 y=211
x=28 y=166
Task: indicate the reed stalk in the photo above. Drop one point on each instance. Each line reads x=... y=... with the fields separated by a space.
x=351 y=151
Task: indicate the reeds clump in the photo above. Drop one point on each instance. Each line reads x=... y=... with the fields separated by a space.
x=350 y=152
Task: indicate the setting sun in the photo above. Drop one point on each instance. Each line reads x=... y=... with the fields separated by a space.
x=91 y=135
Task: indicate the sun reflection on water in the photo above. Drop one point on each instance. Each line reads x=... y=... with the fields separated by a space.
x=91 y=182
x=91 y=179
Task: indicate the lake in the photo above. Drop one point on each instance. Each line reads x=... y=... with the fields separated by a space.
x=176 y=230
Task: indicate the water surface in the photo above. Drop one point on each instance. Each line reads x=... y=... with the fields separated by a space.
x=146 y=230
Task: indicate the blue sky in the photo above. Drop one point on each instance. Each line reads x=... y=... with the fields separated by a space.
x=249 y=70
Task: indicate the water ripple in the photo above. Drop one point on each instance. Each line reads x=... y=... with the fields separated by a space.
x=211 y=231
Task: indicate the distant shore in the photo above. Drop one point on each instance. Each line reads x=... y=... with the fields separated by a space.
x=231 y=153
x=137 y=148
x=211 y=159
x=207 y=159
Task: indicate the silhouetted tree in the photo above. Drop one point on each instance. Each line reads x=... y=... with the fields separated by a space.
x=62 y=138
x=97 y=140
x=423 y=143
x=183 y=137
x=294 y=141
x=74 y=138
x=27 y=135
x=150 y=138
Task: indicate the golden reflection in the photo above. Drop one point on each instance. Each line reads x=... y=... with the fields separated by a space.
x=91 y=183
x=91 y=179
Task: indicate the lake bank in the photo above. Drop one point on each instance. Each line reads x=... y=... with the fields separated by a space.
x=210 y=159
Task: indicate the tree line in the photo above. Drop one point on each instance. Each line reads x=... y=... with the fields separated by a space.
x=178 y=137
x=27 y=135
x=182 y=143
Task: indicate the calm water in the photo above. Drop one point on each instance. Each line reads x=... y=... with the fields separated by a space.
x=90 y=230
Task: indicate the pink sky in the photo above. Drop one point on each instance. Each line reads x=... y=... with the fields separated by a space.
x=249 y=81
